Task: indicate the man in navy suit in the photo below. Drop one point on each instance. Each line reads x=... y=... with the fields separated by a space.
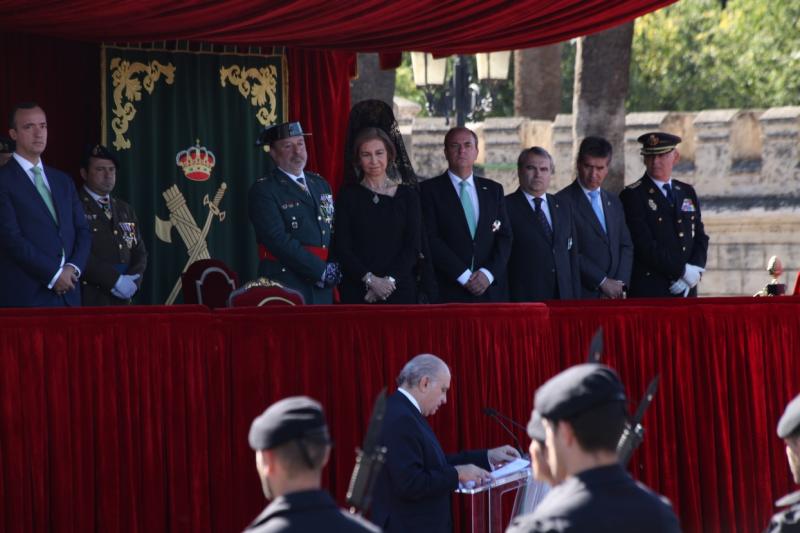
x=544 y=257
x=44 y=238
x=413 y=489
x=606 y=250
x=467 y=225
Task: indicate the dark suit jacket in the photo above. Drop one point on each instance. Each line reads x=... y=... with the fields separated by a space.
x=602 y=254
x=307 y=511
x=413 y=490
x=664 y=239
x=538 y=270
x=286 y=220
x=31 y=242
x=453 y=249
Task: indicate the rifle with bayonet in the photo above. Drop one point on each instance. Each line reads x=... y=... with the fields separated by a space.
x=633 y=434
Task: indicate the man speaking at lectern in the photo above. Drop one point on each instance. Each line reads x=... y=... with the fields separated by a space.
x=413 y=490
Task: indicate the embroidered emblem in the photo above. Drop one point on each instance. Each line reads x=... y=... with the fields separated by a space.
x=652 y=204
x=653 y=140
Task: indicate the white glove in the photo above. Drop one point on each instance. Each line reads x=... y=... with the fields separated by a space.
x=678 y=287
x=692 y=274
x=125 y=287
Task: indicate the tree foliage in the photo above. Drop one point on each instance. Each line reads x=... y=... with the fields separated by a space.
x=696 y=55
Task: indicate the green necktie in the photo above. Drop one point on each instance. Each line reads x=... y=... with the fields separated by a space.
x=44 y=192
x=469 y=209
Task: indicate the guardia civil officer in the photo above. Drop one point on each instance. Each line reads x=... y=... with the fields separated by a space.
x=583 y=413
x=292 y=213
x=789 y=430
x=663 y=216
x=292 y=446
x=118 y=256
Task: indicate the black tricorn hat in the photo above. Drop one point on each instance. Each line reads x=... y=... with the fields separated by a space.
x=97 y=151
x=277 y=132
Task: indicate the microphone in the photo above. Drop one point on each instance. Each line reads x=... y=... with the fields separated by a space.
x=498 y=417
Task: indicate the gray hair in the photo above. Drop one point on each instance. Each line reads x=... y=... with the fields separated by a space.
x=535 y=150
x=420 y=366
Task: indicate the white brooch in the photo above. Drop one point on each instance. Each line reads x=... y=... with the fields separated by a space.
x=495 y=225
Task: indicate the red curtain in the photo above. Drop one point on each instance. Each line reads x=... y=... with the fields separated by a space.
x=136 y=419
x=439 y=26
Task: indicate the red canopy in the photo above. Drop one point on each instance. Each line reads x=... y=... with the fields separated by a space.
x=440 y=26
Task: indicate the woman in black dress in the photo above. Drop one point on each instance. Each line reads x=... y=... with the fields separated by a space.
x=377 y=227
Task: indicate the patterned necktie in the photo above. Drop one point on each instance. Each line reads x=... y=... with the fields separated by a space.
x=105 y=203
x=598 y=208
x=469 y=209
x=670 y=197
x=301 y=181
x=44 y=192
x=542 y=218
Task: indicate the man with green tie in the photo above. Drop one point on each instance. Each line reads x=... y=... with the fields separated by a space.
x=44 y=238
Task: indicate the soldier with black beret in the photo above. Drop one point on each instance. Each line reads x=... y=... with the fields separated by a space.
x=118 y=257
x=7 y=147
x=663 y=215
x=292 y=213
x=789 y=430
x=583 y=414
x=292 y=446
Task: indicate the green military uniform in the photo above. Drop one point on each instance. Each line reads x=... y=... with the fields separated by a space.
x=117 y=248
x=293 y=229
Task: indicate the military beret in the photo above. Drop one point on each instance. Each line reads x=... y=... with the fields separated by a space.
x=7 y=146
x=658 y=142
x=535 y=427
x=277 y=132
x=98 y=151
x=286 y=420
x=790 y=420
x=578 y=389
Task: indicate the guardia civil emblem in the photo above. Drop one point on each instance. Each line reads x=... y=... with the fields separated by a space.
x=197 y=163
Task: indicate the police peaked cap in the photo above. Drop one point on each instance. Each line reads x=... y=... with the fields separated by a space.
x=658 y=142
x=277 y=132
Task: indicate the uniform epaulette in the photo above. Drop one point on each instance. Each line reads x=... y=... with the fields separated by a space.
x=634 y=184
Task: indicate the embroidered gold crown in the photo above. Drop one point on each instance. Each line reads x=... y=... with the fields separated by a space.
x=197 y=162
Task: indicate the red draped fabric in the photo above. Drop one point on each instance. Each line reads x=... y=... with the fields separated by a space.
x=136 y=419
x=440 y=26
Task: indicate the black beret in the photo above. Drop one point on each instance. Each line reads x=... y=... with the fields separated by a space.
x=7 y=146
x=535 y=427
x=288 y=419
x=277 y=132
x=658 y=142
x=578 y=389
x=790 y=420
x=98 y=151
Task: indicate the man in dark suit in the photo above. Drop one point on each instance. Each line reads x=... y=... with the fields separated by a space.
x=118 y=257
x=44 y=238
x=292 y=213
x=544 y=257
x=292 y=446
x=412 y=493
x=606 y=250
x=583 y=414
x=663 y=215
x=468 y=232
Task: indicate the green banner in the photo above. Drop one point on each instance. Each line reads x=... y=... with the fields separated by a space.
x=183 y=126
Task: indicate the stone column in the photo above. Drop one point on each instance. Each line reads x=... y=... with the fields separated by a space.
x=503 y=139
x=780 y=166
x=428 y=146
x=562 y=153
x=713 y=155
